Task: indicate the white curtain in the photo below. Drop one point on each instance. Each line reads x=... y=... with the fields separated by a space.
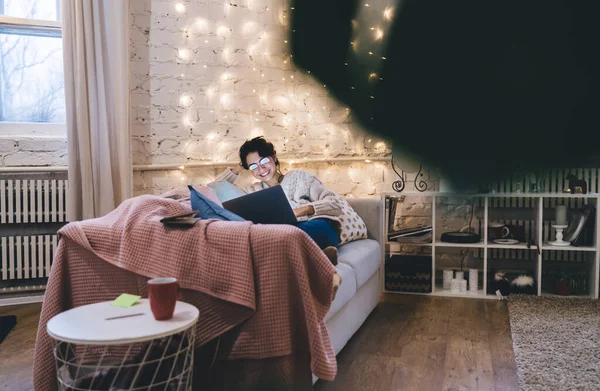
x=96 y=62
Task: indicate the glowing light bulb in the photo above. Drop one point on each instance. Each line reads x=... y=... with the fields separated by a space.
x=211 y=136
x=223 y=31
x=183 y=53
x=367 y=5
x=367 y=161
x=388 y=13
x=372 y=75
x=185 y=100
x=179 y=7
x=378 y=33
x=181 y=167
x=371 y=53
x=369 y=140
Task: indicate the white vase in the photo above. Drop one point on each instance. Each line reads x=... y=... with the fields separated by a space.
x=463 y=285
x=455 y=286
x=473 y=279
x=459 y=275
x=448 y=275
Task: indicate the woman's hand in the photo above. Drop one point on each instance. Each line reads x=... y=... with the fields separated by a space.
x=236 y=169
x=305 y=210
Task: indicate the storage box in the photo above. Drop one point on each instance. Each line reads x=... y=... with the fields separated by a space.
x=408 y=273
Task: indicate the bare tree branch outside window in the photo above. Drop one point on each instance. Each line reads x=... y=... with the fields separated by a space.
x=31 y=67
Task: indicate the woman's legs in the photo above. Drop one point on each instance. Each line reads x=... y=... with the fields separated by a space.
x=322 y=231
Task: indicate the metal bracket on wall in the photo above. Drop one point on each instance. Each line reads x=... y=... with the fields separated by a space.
x=399 y=185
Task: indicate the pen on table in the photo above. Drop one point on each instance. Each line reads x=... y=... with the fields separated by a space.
x=124 y=316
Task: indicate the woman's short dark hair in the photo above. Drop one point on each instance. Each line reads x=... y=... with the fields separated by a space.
x=260 y=146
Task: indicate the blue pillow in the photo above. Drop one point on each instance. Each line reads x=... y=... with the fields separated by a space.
x=225 y=190
x=210 y=210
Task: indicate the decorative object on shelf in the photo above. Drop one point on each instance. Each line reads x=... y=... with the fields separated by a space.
x=576 y=185
x=581 y=222
x=523 y=284
x=559 y=236
x=459 y=275
x=497 y=230
x=500 y=284
x=460 y=237
x=407 y=163
x=567 y=190
x=473 y=279
x=506 y=241
x=455 y=286
x=562 y=285
x=447 y=276
x=408 y=273
x=561 y=215
x=463 y=285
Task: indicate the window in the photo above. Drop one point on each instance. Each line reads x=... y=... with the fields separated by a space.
x=31 y=63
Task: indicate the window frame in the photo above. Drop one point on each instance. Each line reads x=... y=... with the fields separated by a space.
x=39 y=28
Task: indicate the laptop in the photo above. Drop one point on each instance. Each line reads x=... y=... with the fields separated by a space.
x=268 y=206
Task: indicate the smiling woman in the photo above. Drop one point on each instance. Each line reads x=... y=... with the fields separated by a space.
x=317 y=208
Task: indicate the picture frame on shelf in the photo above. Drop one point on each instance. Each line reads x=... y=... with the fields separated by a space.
x=575 y=230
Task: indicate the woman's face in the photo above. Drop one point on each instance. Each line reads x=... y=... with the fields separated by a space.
x=263 y=168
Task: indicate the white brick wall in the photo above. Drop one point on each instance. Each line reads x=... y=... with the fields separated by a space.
x=31 y=151
x=206 y=79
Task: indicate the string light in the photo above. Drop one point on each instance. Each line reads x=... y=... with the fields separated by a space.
x=388 y=13
x=183 y=53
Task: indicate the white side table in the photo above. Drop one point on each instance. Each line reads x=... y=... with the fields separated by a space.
x=101 y=347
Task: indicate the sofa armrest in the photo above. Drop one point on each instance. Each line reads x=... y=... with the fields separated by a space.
x=370 y=210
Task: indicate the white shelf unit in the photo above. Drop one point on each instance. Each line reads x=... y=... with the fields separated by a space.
x=541 y=218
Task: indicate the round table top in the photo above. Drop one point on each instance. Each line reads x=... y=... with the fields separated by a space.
x=91 y=324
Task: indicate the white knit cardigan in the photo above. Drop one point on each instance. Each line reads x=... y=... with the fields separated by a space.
x=301 y=188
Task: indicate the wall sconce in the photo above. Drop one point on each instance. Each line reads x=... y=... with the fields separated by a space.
x=406 y=162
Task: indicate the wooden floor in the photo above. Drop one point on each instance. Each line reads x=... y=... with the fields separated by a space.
x=16 y=351
x=429 y=343
x=408 y=343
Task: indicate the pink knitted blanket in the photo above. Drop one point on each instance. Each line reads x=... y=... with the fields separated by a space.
x=272 y=281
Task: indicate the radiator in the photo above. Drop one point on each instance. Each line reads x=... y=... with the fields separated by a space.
x=31 y=211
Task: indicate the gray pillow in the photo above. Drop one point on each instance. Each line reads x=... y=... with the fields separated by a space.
x=225 y=190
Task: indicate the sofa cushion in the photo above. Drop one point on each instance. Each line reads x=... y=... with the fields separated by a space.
x=345 y=292
x=364 y=256
x=226 y=191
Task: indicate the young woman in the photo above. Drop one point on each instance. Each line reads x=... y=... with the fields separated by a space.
x=316 y=207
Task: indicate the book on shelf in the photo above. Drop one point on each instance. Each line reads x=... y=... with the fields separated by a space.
x=409 y=231
x=393 y=208
x=424 y=237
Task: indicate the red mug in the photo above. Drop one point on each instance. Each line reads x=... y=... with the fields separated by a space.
x=162 y=293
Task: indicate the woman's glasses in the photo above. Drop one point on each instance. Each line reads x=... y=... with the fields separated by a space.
x=261 y=162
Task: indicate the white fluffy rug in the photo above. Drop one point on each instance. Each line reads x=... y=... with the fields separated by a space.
x=556 y=342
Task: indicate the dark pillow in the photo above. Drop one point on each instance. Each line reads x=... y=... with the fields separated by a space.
x=210 y=210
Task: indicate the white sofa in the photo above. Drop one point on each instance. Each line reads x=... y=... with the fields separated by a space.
x=359 y=265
